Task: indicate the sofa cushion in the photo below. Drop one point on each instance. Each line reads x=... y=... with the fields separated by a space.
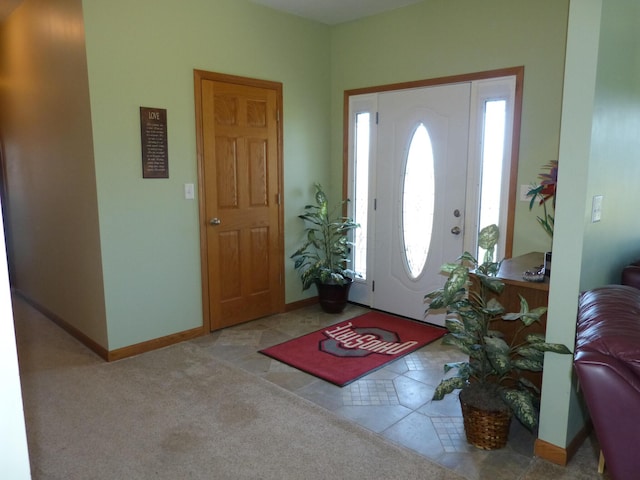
x=609 y=324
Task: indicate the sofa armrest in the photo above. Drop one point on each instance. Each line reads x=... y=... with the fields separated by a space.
x=631 y=276
x=607 y=362
x=612 y=394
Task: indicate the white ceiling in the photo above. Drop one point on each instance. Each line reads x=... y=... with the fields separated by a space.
x=333 y=12
x=330 y=12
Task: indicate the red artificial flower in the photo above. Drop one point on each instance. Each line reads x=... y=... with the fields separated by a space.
x=548 y=182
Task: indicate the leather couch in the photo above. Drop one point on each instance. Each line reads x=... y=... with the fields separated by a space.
x=631 y=274
x=607 y=362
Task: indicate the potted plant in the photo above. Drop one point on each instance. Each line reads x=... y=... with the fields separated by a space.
x=542 y=194
x=492 y=385
x=324 y=257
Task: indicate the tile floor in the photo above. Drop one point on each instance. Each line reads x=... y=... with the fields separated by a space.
x=395 y=401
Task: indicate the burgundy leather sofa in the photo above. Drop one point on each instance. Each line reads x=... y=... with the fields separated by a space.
x=631 y=274
x=607 y=362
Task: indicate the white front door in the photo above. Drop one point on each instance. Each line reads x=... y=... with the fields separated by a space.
x=421 y=173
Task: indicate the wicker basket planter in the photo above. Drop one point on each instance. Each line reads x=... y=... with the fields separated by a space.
x=488 y=430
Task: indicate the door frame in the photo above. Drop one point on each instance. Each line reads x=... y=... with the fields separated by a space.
x=198 y=77
x=517 y=72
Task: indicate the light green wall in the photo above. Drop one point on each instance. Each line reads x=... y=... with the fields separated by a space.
x=442 y=38
x=614 y=167
x=598 y=156
x=143 y=53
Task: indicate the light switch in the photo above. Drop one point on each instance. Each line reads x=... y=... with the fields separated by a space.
x=189 y=191
x=596 y=209
x=524 y=189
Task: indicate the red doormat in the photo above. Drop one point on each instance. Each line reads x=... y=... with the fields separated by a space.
x=346 y=351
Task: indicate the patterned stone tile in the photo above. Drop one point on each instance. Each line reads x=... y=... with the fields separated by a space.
x=431 y=358
x=370 y=392
x=279 y=367
x=450 y=431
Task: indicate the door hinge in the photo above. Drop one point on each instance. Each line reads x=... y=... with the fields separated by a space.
x=375 y=203
x=278 y=116
x=373 y=285
x=278 y=198
x=377 y=117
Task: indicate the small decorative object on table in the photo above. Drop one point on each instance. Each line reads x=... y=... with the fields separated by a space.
x=536 y=274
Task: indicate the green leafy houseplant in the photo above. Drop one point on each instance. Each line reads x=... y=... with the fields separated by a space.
x=324 y=256
x=492 y=377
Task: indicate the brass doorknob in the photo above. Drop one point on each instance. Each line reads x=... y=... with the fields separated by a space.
x=215 y=221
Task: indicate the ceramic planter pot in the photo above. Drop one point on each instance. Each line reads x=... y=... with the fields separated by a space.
x=333 y=298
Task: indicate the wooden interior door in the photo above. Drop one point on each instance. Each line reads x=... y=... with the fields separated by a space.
x=240 y=207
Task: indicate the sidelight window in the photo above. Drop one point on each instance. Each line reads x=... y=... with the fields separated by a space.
x=361 y=192
x=493 y=135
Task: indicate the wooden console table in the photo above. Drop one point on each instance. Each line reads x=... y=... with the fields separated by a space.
x=536 y=294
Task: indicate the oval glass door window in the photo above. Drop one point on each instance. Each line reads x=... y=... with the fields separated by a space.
x=418 y=201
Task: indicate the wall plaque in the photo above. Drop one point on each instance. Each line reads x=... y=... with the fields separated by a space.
x=155 y=153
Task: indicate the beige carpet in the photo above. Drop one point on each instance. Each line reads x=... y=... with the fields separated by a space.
x=178 y=413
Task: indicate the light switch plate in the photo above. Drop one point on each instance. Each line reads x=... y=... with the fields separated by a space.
x=524 y=189
x=596 y=208
x=189 y=191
